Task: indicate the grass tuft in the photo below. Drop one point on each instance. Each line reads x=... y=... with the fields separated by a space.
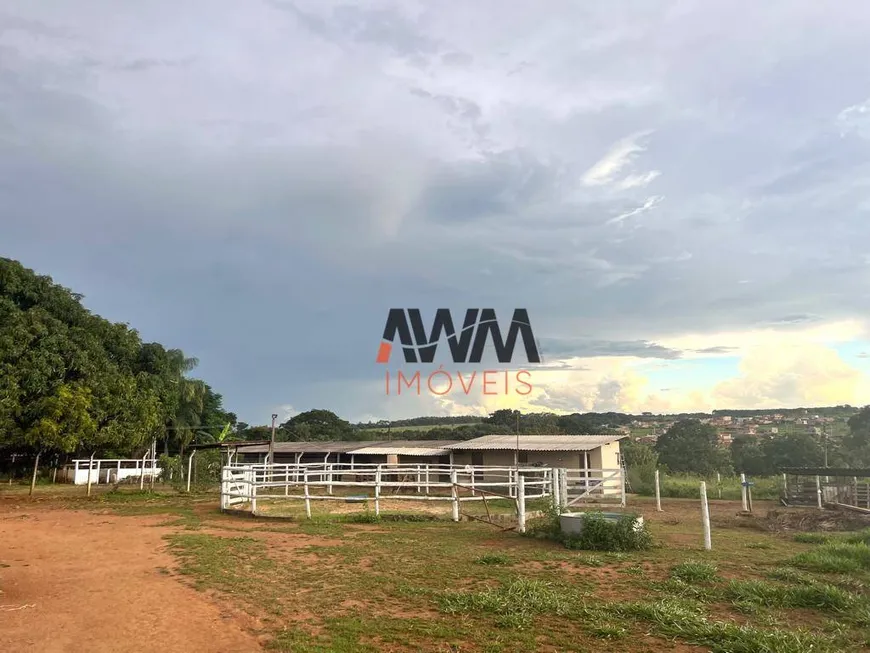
x=493 y=559
x=693 y=571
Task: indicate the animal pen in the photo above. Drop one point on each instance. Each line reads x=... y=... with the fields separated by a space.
x=826 y=486
x=457 y=488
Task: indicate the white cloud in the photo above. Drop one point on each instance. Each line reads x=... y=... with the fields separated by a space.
x=620 y=155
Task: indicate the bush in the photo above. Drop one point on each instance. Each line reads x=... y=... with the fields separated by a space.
x=600 y=534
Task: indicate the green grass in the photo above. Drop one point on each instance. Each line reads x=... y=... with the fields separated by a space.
x=835 y=558
x=493 y=559
x=357 y=582
x=692 y=571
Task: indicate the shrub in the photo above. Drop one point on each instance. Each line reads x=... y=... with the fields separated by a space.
x=600 y=534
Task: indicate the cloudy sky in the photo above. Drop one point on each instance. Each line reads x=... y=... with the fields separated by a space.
x=678 y=192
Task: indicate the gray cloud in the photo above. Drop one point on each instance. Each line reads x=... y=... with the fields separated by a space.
x=298 y=168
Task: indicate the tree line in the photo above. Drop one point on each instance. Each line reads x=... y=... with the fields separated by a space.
x=692 y=447
x=74 y=383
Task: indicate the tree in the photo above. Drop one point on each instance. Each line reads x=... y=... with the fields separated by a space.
x=749 y=456
x=856 y=445
x=691 y=446
x=793 y=450
x=318 y=424
x=71 y=381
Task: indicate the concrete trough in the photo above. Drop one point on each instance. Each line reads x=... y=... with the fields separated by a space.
x=572 y=522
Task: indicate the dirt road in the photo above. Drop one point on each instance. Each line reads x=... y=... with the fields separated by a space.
x=79 y=581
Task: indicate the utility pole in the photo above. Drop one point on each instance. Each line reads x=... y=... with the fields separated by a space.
x=272 y=441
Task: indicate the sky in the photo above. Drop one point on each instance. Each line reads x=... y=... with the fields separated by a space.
x=677 y=191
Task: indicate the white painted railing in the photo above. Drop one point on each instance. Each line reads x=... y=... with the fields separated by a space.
x=248 y=484
x=108 y=470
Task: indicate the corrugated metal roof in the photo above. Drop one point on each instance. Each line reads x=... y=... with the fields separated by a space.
x=401 y=447
x=323 y=447
x=407 y=448
x=536 y=442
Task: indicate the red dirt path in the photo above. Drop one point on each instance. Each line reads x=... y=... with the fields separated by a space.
x=79 y=581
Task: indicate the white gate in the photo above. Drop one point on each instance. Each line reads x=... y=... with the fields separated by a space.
x=236 y=486
x=599 y=485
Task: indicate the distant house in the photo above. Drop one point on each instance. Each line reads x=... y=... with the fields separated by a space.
x=390 y=452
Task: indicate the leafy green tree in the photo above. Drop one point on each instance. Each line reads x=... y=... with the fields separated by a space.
x=318 y=424
x=856 y=444
x=793 y=450
x=691 y=446
x=749 y=456
x=71 y=381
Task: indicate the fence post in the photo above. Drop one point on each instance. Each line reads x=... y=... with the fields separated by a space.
x=307 y=495
x=554 y=489
x=189 y=468
x=563 y=482
x=705 y=516
x=454 y=495
x=819 y=492
x=521 y=503
x=378 y=491
x=35 y=472
x=785 y=486
x=142 y=474
x=622 y=486
x=254 y=494
x=329 y=482
x=427 y=480
x=419 y=489
x=658 y=493
x=855 y=490
x=90 y=465
x=743 y=492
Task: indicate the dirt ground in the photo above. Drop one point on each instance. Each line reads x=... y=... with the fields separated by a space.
x=79 y=581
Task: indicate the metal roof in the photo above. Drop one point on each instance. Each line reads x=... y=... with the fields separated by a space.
x=323 y=447
x=536 y=442
x=408 y=448
x=403 y=447
x=826 y=471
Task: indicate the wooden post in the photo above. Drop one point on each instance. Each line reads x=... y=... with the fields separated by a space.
x=705 y=517
x=563 y=488
x=189 y=468
x=142 y=473
x=419 y=489
x=743 y=492
x=867 y=487
x=90 y=466
x=749 y=496
x=378 y=491
x=427 y=481
x=658 y=493
x=54 y=474
x=35 y=470
x=454 y=495
x=855 y=491
x=819 y=492
x=329 y=479
x=785 y=486
x=307 y=495
x=521 y=503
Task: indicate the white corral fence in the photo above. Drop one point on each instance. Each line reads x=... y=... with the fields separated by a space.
x=104 y=470
x=244 y=486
